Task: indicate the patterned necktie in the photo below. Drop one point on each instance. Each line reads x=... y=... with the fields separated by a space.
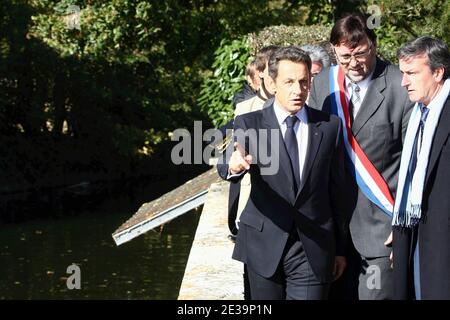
x=418 y=140
x=355 y=101
x=290 y=140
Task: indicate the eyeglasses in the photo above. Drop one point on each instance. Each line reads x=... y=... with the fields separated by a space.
x=346 y=58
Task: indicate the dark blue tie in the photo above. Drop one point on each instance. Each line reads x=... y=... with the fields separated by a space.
x=419 y=136
x=292 y=148
x=413 y=159
x=411 y=168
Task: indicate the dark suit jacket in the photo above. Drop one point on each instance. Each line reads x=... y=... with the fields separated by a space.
x=273 y=209
x=434 y=229
x=379 y=127
x=247 y=92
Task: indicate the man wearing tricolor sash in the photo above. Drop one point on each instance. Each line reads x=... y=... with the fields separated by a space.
x=365 y=92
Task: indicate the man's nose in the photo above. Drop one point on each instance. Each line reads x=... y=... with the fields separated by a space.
x=297 y=87
x=405 y=81
x=353 y=61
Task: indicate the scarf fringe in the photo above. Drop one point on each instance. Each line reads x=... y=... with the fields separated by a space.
x=407 y=207
x=408 y=218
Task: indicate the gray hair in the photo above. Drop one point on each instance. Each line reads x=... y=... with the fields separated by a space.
x=317 y=54
x=435 y=49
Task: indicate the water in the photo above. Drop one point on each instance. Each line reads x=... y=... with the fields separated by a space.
x=34 y=256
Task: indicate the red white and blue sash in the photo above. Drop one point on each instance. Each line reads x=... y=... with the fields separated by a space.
x=368 y=178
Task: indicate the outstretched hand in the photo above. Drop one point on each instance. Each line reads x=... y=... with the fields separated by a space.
x=239 y=161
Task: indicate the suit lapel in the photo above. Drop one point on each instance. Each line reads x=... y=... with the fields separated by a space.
x=372 y=99
x=284 y=178
x=314 y=139
x=442 y=132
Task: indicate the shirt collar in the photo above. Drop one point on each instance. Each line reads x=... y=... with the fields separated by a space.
x=282 y=114
x=363 y=84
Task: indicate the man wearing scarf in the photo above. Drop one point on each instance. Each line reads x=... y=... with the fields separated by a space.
x=421 y=219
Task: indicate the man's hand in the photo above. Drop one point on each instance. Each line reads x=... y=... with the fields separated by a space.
x=239 y=161
x=388 y=243
x=340 y=263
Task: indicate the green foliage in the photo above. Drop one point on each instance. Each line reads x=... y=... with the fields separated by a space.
x=318 y=12
x=402 y=21
x=231 y=58
x=219 y=88
x=289 y=35
x=101 y=97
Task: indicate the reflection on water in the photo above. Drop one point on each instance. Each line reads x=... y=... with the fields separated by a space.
x=34 y=257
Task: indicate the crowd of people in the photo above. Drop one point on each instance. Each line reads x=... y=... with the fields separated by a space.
x=359 y=206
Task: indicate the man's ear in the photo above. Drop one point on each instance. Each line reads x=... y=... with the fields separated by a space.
x=438 y=74
x=249 y=79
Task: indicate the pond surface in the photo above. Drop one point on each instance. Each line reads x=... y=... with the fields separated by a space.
x=35 y=255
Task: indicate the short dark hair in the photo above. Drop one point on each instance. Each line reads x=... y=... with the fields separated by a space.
x=290 y=53
x=351 y=30
x=436 y=50
x=250 y=69
x=263 y=56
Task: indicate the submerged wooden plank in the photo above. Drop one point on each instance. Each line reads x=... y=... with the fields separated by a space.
x=171 y=205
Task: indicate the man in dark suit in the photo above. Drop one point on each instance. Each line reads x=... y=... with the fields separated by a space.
x=291 y=232
x=422 y=206
x=365 y=91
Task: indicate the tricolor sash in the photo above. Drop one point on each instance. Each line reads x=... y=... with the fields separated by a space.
x=367 y=177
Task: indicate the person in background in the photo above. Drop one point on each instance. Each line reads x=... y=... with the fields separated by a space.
x=319 y=58
x=252 y=76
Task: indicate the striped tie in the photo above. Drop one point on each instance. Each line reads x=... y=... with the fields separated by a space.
x=418 y=140
x=355 y=101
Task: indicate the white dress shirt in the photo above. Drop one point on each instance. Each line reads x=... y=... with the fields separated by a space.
x=300 y=129
x=363 y=86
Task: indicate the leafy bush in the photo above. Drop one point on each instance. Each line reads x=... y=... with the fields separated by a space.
x=219 y=88
x=231 y=58
x=404 y=20
x=116 y=86
x=289 y=35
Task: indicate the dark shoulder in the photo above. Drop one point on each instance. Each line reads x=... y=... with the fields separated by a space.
x=316 y=116
x=389 y=70
x=246 y=93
